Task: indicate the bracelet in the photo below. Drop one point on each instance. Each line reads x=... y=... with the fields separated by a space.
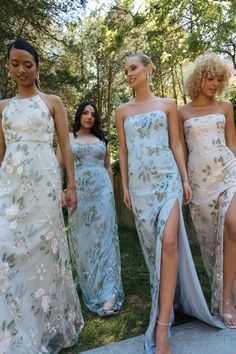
x=71 y=187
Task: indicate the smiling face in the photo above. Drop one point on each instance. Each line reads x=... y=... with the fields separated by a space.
x=136 y=72
x=211 y=85
x=22 y=67
x=88 y=117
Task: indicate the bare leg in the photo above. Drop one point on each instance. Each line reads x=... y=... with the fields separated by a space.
x=169 y=268
x=229 y=263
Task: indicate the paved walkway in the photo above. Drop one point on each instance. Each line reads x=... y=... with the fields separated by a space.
x=190 y=338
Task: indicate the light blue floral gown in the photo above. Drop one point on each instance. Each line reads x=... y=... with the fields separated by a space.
x=94 y=241
x=154 y=186
x=39 y=306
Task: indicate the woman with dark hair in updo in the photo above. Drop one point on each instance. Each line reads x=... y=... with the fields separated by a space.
x=40 y=310
x=94 y=241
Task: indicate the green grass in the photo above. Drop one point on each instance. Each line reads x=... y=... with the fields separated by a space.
x=134 y=316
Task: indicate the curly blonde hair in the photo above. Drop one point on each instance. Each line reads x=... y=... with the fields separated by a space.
x=204 y=65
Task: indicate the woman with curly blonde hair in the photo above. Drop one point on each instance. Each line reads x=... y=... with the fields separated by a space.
x=208 y=130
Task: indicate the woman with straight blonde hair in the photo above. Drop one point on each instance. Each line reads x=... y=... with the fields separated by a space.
x=155 y=182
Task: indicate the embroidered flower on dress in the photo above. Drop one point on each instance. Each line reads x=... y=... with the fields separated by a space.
x=13 y=211
x=5 y=340
x=40 y=292
x=45 y=303
x=10 y=169
x=17 y=158
x=13 y=225
x=19 y=170
x=72 y=316
x=33 y=124
x=4 y=269
x=54 y=245
x=50 y=236
x=44 y=350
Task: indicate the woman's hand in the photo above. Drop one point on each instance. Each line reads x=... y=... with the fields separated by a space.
x=71 y=200
x=127 y=200
x=187 y=193
x=63 y=199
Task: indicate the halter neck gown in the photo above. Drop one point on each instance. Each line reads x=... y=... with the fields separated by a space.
x=94 y=237
x=39 y=306
x=154 y=186
x=212 y=175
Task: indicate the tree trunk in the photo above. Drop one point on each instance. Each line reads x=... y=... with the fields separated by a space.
x=173 y=82
x=110 y=78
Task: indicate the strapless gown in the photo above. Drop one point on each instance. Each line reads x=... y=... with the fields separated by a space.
x=212 y=175
x=94 y=241
x=154 y=186
x=39 y=306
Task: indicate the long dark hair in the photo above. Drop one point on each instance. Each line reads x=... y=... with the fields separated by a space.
x=24 y=45
x=95 y=130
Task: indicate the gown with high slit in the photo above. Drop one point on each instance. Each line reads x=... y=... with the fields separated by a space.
x=93 y=236
x=154 y=187
x=39 y=307
x=212 y=176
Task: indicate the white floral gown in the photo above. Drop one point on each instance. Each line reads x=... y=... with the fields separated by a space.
x=212 y=175
x=154 y=186
x=39 y=308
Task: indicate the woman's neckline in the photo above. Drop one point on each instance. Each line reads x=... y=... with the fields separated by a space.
x=205 y=115
x=141 y=114
x=26 y=98
x=85 y=144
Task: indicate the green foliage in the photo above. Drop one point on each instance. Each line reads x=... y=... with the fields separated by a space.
x=38 y=21
x=82 y=56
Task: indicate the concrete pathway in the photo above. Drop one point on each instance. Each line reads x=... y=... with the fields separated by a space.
x=190 y=338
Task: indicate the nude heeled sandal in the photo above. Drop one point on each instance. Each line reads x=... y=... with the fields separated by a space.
x=164 y=324
x=226 y=316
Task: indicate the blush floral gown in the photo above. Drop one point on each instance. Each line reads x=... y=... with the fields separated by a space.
x=94 y=241
x=212 y=174
x=154 y=186
x=39 y=308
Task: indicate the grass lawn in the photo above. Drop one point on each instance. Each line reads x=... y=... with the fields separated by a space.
x=134 y=315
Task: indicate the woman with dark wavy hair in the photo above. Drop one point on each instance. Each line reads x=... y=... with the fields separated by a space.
x=93 y=237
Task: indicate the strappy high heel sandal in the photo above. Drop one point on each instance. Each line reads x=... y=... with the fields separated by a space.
x=164 y=324
x=227 y=316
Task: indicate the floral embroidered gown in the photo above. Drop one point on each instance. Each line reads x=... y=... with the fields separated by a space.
x=94 y=241
x=39 y=308
x=212 y=174
x=154 y=186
